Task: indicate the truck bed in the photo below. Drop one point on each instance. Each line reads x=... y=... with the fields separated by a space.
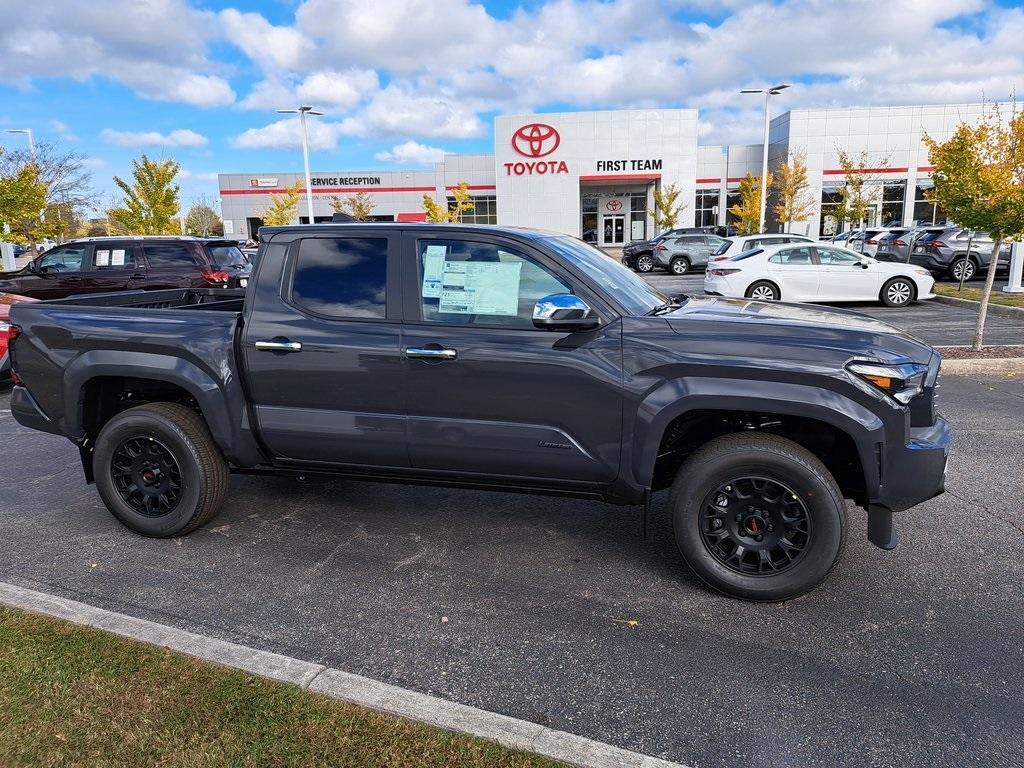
x=220 y=299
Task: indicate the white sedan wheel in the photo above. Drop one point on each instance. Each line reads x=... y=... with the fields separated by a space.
x=763 y=293
x=898 y=292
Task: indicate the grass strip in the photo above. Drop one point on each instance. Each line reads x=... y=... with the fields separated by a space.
x=974 y=294
x=77 y=696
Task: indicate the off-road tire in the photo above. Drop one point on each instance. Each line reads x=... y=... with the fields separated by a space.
x=204 y=473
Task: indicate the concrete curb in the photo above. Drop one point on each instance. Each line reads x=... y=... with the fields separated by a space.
x=363 y=691
x=993 y=309
x=970 y=367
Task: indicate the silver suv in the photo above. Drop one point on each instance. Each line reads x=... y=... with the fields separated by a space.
x=957 y=253
x=680 y=254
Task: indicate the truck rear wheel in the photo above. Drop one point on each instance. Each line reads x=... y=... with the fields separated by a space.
x=757 y=516
x=158 y=470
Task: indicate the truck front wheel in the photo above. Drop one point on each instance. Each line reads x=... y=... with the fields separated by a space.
x=158 y=470
x=757 y=516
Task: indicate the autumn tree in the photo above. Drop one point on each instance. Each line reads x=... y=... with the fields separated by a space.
x=461 y=202
x=861 y=190
x=283 y=208
x=793 y=200
x=979 y=181
x=23 y=199
x=202 y=219
x=667 y=207
x=359 y=206
x=748 y=210
x=150 y=205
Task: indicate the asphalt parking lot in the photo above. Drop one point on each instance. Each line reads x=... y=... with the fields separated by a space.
x=523 y=605
x=935 y=323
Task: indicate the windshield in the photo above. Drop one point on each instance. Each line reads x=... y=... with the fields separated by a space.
x=227 y=256
x=635 y=295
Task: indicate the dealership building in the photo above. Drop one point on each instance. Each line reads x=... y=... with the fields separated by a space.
x=594 y=174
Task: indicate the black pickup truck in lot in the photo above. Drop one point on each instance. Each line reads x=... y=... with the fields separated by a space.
x=499 y=358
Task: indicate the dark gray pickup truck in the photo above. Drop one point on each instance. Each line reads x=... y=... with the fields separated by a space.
x=501 y=358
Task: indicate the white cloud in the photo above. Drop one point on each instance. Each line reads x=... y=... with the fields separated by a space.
x=182 y=137
x=157 y=48
x=185 y=173
x=341 y=90
x=412 y=153
x=63 y=130
x=271 y=46
x=399 y=110
x=287 y=134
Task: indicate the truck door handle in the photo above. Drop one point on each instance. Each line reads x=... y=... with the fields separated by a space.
x=279 y=346
x=425 y=353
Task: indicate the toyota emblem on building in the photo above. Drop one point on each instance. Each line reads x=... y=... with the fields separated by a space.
x=536 y=140
x=613 y=205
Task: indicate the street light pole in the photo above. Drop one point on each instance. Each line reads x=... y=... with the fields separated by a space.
x=768 y=92
x=302 y=112
x=31 y=144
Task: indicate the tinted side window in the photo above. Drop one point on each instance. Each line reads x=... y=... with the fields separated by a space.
x=68 y=259
x=168 y=255
x=342 y=277
x=792 y=256
x=690 y=240
x=114 y=256
x=468 y=282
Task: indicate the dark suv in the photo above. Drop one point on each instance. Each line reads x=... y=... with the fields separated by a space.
x=958 y=254
x=102 y=264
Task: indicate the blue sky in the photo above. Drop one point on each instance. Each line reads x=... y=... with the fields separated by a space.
x=402 y=81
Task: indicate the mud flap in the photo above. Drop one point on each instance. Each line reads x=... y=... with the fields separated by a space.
x=880 y=530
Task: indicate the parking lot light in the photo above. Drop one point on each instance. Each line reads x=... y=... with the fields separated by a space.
x=302 y=112
x=775 y=90
x=31 y=144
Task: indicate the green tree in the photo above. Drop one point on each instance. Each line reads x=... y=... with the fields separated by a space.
x=861 y=189
x=979 y=182
x=359 y=206
x=462 y=202
x=748 y=210
x=667 y=207
x=793 y=201
x=283 y=208
x=150 y=203
x=203 y=220
x=23 y=198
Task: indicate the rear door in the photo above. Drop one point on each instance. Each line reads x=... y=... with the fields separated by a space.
x=321 y=348
x=114 y=266
x=506 y=399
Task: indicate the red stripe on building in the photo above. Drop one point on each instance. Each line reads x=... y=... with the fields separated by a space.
x=736 y=179
x=472 y=186
x=411 y=217
x=925 y=168
x=623 y=177
x=709 y=181
x=841 y=172
x=265 y=191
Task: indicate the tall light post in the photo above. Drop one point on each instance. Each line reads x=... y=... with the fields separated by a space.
x=768 y=92
x=302 y=112
x=31 y=144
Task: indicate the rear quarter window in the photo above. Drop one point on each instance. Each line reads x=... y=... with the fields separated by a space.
x=168 y=254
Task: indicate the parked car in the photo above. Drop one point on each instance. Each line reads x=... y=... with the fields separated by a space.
x=946 y=254
x=633 y=253
x=732 y=246
x=6 y=301
x=796 y=272
x=857 y=239
x=871 y=242
x=896 y=247
x=494 y=357
x=681 y=254
x=98 y=265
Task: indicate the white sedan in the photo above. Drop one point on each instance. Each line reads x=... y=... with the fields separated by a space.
x=799 y=272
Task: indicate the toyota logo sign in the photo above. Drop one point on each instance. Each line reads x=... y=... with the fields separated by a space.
x=536 y=140
x=613 y=205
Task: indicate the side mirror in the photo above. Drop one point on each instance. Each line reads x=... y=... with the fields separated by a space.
x=563 y=312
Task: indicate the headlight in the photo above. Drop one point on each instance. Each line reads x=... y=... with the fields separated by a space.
x=924 y=272
x=901 y=382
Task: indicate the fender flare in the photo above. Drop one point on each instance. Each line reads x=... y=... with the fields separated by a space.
x=676 y=397
x=100 y=363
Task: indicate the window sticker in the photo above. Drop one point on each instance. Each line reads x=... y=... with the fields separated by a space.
x=433 y=269
x=117 y=257
x=480 y=288
x=102 y=258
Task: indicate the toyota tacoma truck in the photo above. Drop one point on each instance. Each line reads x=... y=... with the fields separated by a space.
x=495 y=358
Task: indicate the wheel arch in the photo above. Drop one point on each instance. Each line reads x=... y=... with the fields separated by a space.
x=772 y=283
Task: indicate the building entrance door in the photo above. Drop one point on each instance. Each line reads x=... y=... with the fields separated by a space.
x=613 y=229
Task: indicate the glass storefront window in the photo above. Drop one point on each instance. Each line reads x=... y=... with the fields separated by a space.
x=926 y=212
x=893 y=194
x=589 y=227
x=732 y=198
x=485 y=210
x=830 y=224
x=705 y=206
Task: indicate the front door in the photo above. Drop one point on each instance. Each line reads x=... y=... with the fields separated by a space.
x=58 y=273
x=843 y=278
x=489 y=394
x=614 y=229
x=322 y=352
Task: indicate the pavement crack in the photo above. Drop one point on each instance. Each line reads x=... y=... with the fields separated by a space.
x=988 y=510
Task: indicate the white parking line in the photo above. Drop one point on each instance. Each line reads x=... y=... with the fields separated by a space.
x=363 y=691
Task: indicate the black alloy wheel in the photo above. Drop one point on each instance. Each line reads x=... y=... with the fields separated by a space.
x=146 y=476
x=755 y=526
